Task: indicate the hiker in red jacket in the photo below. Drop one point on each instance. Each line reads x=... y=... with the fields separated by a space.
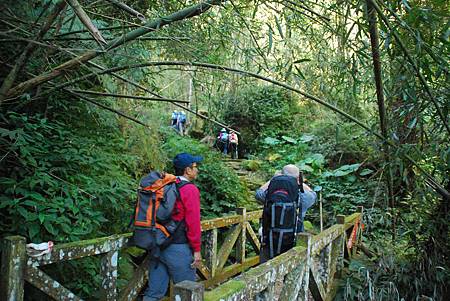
x=179 y=260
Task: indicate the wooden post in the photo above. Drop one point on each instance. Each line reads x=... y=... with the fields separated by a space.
x=188 y=291
x=211 y=251
x=240 y=243
x=320 y=209
x=340 y=219
x=305 y=240
x=108 y=270
x=343 y=240
x=13 y=267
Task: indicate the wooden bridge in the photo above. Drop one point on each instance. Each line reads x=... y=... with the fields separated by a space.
x=306 y=272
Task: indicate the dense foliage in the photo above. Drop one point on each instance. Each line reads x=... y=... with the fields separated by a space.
x=260 y=112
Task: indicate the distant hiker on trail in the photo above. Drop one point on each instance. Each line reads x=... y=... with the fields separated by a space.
x=222 y=141
x=284 y=196
x=181 y=122
x=234 y=141
x=174 y=119
x=179 y=258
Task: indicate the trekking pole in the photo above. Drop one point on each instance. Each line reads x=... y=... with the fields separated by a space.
x=320 y=208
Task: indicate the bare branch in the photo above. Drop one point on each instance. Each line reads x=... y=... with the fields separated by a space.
x=84 y=18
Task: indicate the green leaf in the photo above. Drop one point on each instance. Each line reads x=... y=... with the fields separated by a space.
x=307 y=138
x=33 y=230
x=50 y=228
x=41 y=217
x=271 y=141
x=7 y=181
x=270 y=40
x=280 y=30
x=23 y=212
x=301 y=61
x=412 y=123
x=289 y=139
x=366 y=172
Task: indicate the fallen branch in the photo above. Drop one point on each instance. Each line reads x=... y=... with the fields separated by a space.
x=84 y=18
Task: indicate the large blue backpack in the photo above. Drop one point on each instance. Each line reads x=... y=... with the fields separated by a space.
x=280 y=214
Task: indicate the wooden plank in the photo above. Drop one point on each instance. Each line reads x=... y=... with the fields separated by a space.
x=203 y=271
x=326 y=237
x=240 y=242
x=351 y=219
x=13 y=263
x=257 y=279
x=293 y=283
x=221 y=222
x=315 y=287
x=253 y=238
x=254 y=215
x=108 y=270
x=136 y=283
x=49 y=286
x=231 y=271
x=227 y=246
x=80 y=249
x=211 y=251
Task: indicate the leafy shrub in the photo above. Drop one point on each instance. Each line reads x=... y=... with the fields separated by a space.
x=260 y=112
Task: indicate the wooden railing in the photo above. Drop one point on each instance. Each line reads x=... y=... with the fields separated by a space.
x=218 y=265
x=307 y=272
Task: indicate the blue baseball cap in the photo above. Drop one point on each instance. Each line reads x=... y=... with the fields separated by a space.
x=184 y=160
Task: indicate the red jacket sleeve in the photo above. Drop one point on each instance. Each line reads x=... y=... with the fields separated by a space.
x=191 y=200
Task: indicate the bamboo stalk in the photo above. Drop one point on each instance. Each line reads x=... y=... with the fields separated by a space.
x=128 y=9
x=413 y=63
x=374 y=40
x=90 y=39
x=128 y=96
x=100 y=28
x=84 y=18
x=107 y=108
x=150 y=26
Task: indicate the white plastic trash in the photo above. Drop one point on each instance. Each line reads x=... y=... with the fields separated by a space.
x=36 y=250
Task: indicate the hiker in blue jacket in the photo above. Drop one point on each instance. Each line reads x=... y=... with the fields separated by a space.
x=174 y=119
x=222 y=141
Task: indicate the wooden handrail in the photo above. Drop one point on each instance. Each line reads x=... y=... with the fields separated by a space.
x=310 y=269
x=216 y=268
x=213 y=272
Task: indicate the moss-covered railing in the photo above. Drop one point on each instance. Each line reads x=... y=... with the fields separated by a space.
x=221 y=236
x=311 y=269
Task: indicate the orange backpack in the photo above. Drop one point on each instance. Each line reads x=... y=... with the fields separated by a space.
x=153 y=224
